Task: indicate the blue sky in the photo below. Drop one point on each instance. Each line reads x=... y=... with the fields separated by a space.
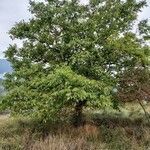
x=12 y=11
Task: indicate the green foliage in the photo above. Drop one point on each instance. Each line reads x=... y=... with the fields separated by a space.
x=1 y=92
x=72 y=53
x=45 y=96
x=1 y=87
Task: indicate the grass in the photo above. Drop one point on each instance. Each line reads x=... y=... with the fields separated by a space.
x=90 y=137
x=102 y=131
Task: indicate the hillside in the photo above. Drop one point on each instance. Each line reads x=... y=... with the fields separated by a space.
x=4 y=66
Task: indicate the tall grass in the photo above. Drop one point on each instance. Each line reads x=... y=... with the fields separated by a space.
x=99 y=133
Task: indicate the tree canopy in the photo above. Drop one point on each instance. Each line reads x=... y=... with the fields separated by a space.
x=74 y=55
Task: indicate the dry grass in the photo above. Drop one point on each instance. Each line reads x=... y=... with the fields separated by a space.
x=62 y=142
x=3 y=117
x=91 y=137
x=101 y=132
x=82 y=138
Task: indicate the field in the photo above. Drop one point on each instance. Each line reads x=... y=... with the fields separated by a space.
x=125 y=130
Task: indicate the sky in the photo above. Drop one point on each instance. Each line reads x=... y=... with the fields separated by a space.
x=12 y=11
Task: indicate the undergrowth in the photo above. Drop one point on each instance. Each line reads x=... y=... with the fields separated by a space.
x=98 y=133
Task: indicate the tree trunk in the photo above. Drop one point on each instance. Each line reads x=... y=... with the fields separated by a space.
x=146 y=113
x=78 y=115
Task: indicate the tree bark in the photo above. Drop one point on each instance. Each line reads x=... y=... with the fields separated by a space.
x=146 y=113
x=78 y=115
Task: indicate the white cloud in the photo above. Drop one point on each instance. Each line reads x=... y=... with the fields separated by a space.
x=10 y=13
x=84 y=1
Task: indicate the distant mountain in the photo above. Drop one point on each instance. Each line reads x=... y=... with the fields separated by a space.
x=5 y=66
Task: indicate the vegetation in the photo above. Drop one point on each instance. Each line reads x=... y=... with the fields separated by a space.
x=105 y=131
x=77 y=66
x=1 y=91
x=1 y=87
x=73 y=56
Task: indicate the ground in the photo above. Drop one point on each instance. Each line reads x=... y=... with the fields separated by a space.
x=104 y=130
